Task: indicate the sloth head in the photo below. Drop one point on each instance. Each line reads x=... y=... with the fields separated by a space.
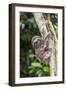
x=37 y=41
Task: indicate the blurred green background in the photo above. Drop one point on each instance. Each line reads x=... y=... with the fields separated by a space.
x=29 y=64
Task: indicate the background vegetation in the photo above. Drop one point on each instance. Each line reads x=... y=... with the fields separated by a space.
x=29 y=64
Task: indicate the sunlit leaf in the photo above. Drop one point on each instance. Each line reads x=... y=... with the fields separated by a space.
x=46 y=69
x=36 y=64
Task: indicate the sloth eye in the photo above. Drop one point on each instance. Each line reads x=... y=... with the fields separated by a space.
x=35 y=44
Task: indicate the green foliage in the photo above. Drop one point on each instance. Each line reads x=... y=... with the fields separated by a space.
x=38 y=69
x=30 y=65
x=36 y=65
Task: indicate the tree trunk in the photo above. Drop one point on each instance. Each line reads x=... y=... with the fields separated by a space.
x=42 y=25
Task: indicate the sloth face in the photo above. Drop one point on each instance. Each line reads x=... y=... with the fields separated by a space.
x=41 y=47
x=37 y=41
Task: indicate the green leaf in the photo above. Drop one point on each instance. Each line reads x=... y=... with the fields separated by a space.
x=36 y=64
x=31 y=55
x=31 y=71
x=39 y=73
x=30 y=67
x=46 y=69
x=30 y=51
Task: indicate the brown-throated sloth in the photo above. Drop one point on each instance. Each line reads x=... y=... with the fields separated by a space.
x=42 y=50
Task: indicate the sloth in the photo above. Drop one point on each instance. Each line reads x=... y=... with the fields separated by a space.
x=42 y=50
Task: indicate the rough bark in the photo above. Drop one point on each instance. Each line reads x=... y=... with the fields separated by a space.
x=42 y=22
